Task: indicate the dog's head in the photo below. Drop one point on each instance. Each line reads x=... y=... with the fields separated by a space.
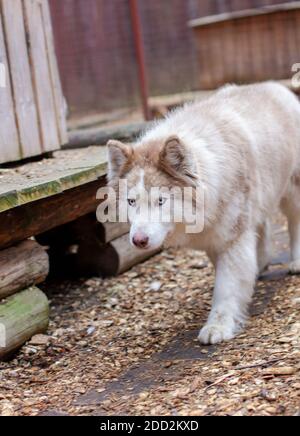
x=152 y=170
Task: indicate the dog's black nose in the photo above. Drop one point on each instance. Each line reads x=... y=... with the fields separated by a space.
x=140 y=240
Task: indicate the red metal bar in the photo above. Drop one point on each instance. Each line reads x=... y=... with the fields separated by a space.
x=140 y=53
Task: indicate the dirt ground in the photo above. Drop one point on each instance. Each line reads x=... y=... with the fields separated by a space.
x=128 y=346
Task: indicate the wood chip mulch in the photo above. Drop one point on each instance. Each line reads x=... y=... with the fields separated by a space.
x=128 y=346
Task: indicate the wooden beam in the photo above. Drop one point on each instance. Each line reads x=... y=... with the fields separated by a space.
x=246 y=13
x=100 y=136
x=32 y=219
x=22 y=316
x=21 y=266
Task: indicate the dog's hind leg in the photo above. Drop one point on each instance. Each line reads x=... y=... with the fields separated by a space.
x=294 y=230
x=290 y=206
x=264 y=246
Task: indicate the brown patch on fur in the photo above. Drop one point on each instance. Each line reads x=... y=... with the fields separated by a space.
x=296 y=179
x=174 y=159
x=151 y=157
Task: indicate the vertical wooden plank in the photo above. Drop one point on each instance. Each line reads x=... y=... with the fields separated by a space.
x=9 y=139
x=243 y=52
x=294 y=50
x=297 y=32
x=203 y=46
x=257 y=49
x=279 y=47
x=228 y=53
x=268 y=40
x=42 y=82
x=60 y=105
x=21 y=77
x=217 y=56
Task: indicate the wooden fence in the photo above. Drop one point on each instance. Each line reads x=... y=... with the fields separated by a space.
x=32 y=115
x=247 y=46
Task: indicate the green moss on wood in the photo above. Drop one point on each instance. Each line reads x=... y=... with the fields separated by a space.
x=65 y=172
x=22 y=316
x=8 y=200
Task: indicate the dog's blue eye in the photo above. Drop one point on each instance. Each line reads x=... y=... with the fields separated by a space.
x=161 y=201
x=131 y=202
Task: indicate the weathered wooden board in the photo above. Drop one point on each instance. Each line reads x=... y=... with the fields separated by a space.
x=21 y=266
x=9 y=140
x=66 y=170
x=32 y=110
x=60 y=105
x=40 y=216
x=21 y=316
x=41 y=76
x=19 y=67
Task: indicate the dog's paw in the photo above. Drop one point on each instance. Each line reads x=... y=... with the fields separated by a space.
x=294 y=267
x=212 y=334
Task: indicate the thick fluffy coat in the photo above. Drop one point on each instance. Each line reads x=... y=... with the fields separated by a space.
x=242 y=148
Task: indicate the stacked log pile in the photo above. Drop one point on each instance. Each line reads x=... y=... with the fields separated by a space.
x=86 y=247
x=24 y=309
x=106 y=250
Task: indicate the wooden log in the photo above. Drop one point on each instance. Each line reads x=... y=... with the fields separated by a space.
x=35 y=218
x=63 y=243
x=22 y=316
x=84 y=229
x=110 y=259
x=111 y=231
x=22 y=266
x=88 y=229
x=128 y=256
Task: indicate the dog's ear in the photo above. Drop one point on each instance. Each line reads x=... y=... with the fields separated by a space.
x=175 y=159
x=118 y=156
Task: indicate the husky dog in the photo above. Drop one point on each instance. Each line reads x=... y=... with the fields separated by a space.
x=241 y=146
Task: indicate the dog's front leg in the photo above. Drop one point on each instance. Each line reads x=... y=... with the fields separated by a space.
x=236 y=270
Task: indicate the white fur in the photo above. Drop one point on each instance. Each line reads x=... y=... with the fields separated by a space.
x=140 y=223
x=245 y=147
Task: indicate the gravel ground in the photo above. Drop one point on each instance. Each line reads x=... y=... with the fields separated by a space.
x=128 y=345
